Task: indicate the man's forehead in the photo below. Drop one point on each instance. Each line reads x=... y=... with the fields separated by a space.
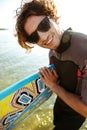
x=32 y=23
x=35 y=18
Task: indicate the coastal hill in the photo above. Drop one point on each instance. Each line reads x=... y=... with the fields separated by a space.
x=3 y=28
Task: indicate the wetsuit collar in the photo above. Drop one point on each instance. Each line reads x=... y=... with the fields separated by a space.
x=65 y=41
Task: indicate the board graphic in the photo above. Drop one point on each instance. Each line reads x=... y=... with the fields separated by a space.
x=20 y=99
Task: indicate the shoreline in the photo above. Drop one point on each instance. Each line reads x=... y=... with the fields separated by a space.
x=3 y=29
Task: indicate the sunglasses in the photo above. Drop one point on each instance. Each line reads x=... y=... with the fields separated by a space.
x=44 y=26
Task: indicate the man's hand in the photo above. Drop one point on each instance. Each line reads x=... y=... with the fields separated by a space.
x=49 y=77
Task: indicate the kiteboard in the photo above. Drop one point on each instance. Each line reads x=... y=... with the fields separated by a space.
x=21 y=99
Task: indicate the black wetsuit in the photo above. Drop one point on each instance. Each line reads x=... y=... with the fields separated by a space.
x=70 y=57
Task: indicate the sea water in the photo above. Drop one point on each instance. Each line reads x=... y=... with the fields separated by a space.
x=16 y=64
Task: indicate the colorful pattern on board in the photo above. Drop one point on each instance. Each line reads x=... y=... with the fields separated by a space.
x=13 y=106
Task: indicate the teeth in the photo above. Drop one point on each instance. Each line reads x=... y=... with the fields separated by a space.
x=49 y=41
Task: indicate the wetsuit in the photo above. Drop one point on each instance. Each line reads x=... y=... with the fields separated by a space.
x=70 y=60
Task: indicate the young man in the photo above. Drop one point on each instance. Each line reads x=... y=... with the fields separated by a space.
x=37 y=23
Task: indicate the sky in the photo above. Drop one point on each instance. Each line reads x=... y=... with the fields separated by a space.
x=73 y=13
x=7 y=12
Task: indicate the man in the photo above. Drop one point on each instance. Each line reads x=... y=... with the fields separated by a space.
x=37 y=23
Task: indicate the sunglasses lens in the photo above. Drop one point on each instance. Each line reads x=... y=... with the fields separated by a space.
x=33 y=38
x=44 y=25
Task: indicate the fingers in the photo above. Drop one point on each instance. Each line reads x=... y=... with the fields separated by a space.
x=49 y=77
x=55 y=73
x=46 y=72
x=43 y=74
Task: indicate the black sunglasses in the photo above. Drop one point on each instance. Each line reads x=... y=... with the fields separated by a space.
x=43 y=27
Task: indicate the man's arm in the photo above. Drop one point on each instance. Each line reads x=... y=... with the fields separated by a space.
x=72 y=100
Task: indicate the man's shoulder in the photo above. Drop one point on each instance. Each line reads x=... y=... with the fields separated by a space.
x=51 y=53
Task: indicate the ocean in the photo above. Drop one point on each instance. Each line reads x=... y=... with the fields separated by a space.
x=16 y=64
x=13 y=57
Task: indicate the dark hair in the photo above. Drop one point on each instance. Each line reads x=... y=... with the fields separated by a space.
x=36 y=7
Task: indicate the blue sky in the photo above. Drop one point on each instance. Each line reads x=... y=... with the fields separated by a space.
x=73 y=13
x=7 y=12
x=3 y=3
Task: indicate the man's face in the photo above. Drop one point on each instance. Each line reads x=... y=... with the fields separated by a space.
x=42 y=31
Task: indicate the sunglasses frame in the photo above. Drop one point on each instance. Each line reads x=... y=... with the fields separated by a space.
x=43 y=26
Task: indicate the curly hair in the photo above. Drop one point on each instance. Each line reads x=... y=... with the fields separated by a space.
x=36 y=7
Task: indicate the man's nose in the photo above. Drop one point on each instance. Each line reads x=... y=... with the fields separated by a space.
x=42 y=35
